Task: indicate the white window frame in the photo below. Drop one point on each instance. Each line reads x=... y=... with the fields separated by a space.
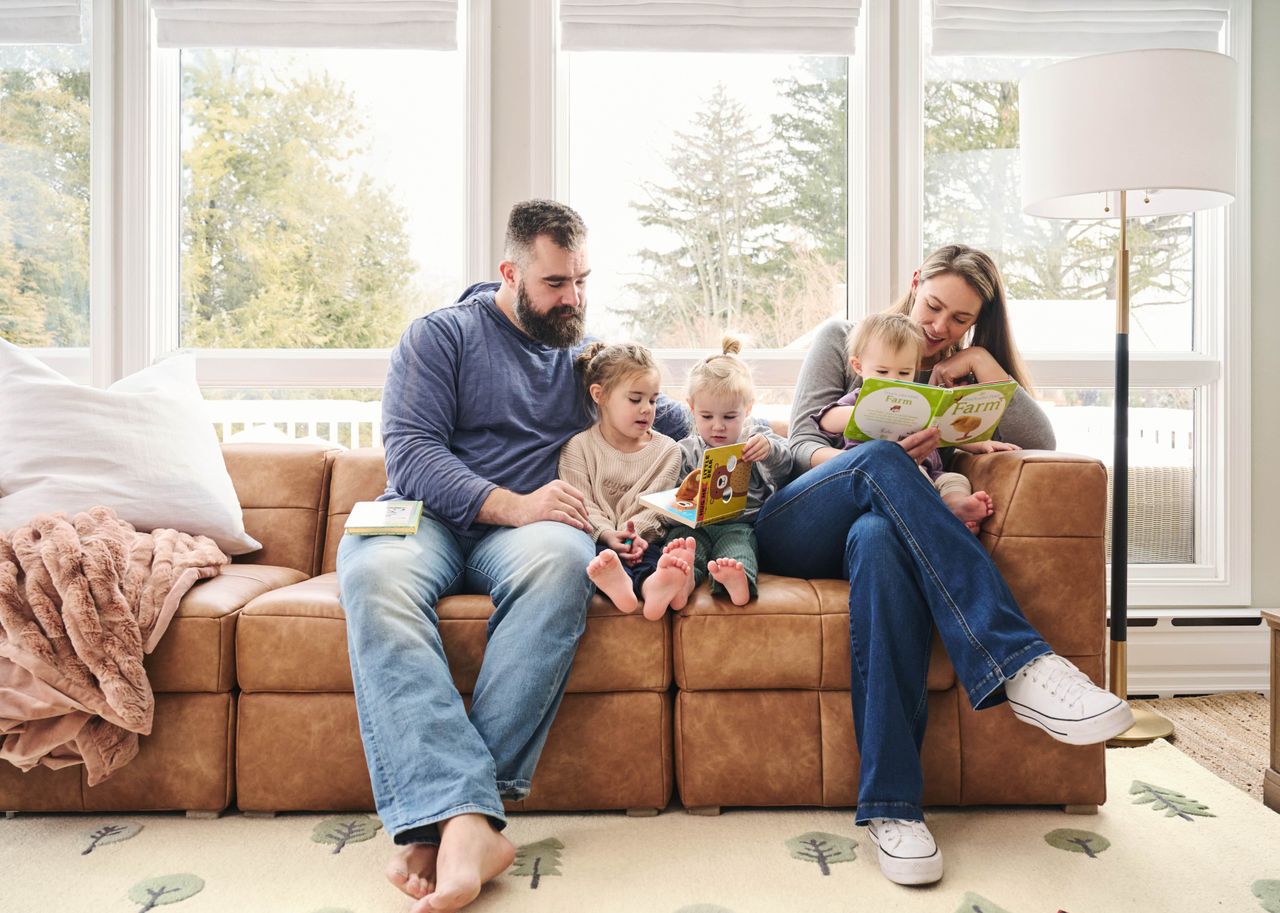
x=1218 y=367
x=96 y=363
x=150 y=250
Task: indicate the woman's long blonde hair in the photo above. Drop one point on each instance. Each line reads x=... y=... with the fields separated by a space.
x=991 y=327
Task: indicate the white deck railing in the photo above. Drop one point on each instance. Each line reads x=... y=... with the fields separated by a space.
x=344 y=422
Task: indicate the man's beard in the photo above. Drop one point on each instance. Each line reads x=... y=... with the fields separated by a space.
x=561 y=327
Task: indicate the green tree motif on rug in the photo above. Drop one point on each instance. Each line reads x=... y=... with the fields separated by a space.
x=165 y=889
x=1077 y=841
x=822 y=849
x=338 y=832
x=533 y=860
x=109 y=833
x=976 y=903
x=1171 y=802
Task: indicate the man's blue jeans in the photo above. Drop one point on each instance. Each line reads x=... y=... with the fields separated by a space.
x=428 y=759
x=871 y=517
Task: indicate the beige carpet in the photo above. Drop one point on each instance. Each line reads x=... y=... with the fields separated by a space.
x=1213 y=848
x=1227 y=733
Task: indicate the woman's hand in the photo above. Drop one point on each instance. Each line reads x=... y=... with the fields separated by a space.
x=973 y=360
x=921 y=444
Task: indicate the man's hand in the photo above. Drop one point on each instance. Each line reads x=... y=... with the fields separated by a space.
x=921 y=444
x=756 y=448
x=557 y=500
x=987 y=447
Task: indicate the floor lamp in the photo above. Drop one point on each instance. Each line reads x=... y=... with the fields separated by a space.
x=1136 y=133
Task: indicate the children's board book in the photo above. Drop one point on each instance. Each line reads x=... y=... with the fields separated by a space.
x=889 y=410
x=383 y=518
x=716 y=493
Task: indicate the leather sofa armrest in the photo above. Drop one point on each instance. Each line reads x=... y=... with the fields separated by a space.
x=1046 y=538
x=1039 y=492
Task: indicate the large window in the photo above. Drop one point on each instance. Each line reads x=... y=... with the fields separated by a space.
x=1061 y=280
x=322 y=193
x=716 y=190
x=44 y=193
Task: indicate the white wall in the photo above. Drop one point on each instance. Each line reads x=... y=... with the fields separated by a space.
x=1266 y=308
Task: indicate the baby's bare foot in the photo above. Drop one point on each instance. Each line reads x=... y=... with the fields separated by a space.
x=665 y=584
x=686 y=550
x=606 y=572
x=973 y=509
x=733 y=577
x=413 y=869
x=471 y=853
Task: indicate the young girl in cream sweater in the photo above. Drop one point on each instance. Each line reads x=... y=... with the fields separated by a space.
x=613 y=463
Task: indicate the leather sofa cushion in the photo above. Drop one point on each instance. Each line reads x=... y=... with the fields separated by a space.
x=358 y=475
x=295 y=639
x=197 y=653
x=794 y=635
x=283 y=492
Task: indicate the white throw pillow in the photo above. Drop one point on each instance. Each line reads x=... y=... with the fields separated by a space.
x=145 y=447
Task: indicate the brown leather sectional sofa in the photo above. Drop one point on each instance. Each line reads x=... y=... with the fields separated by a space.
x=731 y=705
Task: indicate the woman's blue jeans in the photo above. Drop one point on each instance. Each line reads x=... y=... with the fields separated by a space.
x=430 y=760
x=871 y=517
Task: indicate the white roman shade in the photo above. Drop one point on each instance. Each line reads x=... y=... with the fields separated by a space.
x=1070 y=28
x=423 y=24
x=40 y=22
x=776 y=26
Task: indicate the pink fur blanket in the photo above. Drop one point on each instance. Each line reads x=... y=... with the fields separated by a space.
x=81 y=601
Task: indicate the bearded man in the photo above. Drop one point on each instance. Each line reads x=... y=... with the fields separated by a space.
x=479 y=398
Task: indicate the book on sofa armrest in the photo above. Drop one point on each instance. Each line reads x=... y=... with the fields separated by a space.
x=383 y=518
x=889 y=410
x=712 y=494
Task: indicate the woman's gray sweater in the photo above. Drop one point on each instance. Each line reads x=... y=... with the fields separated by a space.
x=826 y=376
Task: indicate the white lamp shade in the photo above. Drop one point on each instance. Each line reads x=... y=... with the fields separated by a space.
x=1158 y=123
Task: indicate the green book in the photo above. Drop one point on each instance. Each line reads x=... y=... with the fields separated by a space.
x=383 y=518
x=889 y=410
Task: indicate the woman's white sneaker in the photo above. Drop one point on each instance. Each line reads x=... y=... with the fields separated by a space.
x=1050 y=692
x=907 y=851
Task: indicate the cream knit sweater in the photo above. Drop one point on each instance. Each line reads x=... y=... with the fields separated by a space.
x=612 y=481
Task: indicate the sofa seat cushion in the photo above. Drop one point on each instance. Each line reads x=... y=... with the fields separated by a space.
x=295 y=640
x=795 y=635
x=197 y=652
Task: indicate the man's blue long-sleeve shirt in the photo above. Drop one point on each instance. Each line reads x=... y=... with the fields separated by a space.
x=471 y=404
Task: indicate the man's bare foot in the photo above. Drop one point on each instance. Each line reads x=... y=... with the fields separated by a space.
x=733 y=577
x=972 y=509
x=605 y=571
x=471 y=853
x=686 y=550
x=413 y=869
x=663 y=585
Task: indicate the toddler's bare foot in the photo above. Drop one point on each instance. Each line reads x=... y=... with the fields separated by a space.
x=973 y=509
x=665 y=584
x=733 y=577
x=471 y=853
x=413 y=869
x=686 y=550
x=605 y=571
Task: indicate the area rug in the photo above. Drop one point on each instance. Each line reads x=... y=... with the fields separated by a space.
x=1170 y=838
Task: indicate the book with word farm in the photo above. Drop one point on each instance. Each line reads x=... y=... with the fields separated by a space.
x=712 y=494
x=383 y=518
x=889 y=410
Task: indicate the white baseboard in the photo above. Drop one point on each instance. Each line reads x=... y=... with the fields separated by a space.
x=1188 y=658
